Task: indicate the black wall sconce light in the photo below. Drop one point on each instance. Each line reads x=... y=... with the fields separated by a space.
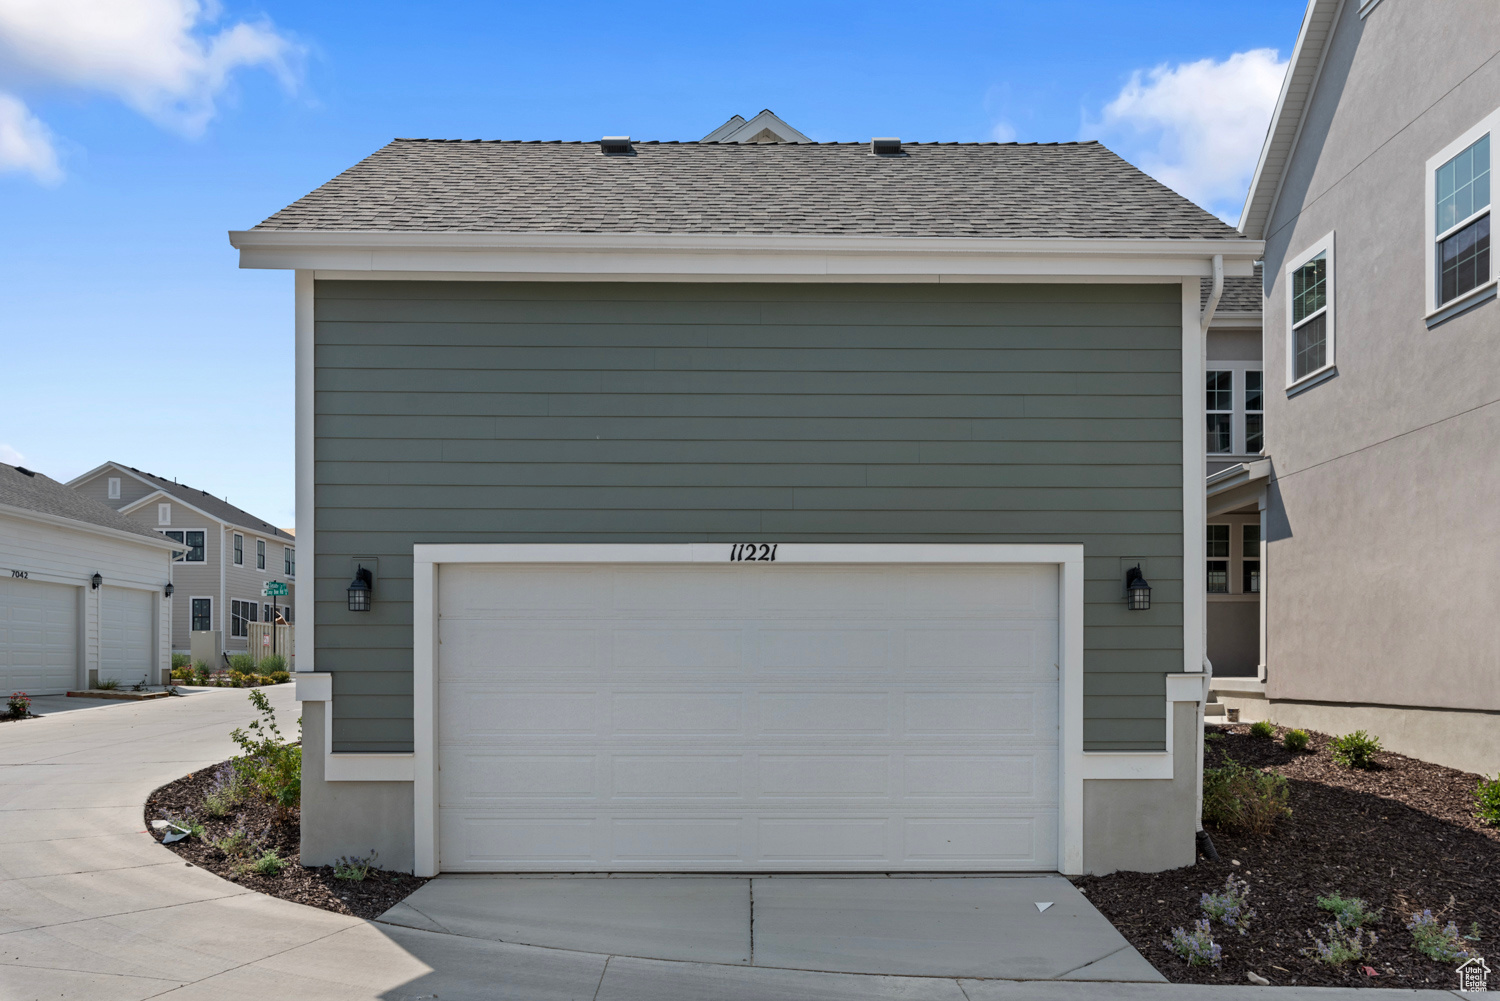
x=95 y=581
x=360 y=589
x=168 y=590
x=1137 y=591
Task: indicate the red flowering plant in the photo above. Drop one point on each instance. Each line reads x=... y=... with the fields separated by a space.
x=19 y=704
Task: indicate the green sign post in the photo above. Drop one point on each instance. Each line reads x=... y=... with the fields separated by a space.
x=274 y=589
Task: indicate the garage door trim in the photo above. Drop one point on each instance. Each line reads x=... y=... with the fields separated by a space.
x=1067 y=558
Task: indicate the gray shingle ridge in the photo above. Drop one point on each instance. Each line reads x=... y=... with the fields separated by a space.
x=216 y=506
x=32 y=491
x=1063 y=190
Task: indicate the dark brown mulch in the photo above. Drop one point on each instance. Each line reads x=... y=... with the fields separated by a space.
x=313 y=885
x=1402 y=836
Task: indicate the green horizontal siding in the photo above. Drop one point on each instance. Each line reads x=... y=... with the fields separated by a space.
x=551 y=412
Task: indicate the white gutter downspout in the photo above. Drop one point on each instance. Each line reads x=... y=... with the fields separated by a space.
x=1205 y=843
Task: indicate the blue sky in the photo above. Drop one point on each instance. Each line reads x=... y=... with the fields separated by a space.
x=135 y=133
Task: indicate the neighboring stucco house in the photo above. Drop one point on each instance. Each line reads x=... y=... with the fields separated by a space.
x=749 y=507
x=1382 y=351
x=229 y=555
x=83 y=591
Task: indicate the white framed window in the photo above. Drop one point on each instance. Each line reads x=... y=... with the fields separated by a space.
x=1250 y=558
x=1310 y=319
x=260 y=554
x=1460 y=269
x=289 y=557
x=1255 y=405
x=1217 y=551
x=239 y=550
x=1219 y=404
x=193 y=543
x=202 y=610
x=114 y=488
x=164 y=514
x=241 y=614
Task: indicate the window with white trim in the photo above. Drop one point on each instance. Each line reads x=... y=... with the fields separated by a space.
x=289 y=557
x=202 y=614
x=260 y=554
x=194 y=543
x=1217 y=551
x=114 y=488
x=1220 y=407
x=1462 y=190
x=1255 y=437
x=239 y=550
x=241 y=614
x=1310 y=313
x=1250 y=561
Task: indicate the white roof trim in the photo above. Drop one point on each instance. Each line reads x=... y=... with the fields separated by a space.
x=739 y=130
x=88 y=526
x=160 y=494
x=1297 y=87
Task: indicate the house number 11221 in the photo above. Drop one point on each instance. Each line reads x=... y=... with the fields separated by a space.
x=745 y=552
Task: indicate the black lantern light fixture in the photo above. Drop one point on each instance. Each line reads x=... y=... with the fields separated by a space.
x=95 y=581
x=168 y=589
x=1137 y=591
x=360 y=589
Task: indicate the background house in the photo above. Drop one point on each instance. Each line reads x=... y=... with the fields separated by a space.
x=1374 y=197
x=82 y=591
x=229 y=556
x=750 y=507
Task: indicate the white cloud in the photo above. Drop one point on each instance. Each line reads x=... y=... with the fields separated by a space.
x=1198 y=127
x=10 y=456
x=26 y=147
x=170 y=60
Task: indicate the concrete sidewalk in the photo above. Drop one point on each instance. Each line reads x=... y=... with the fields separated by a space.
x=91 y=908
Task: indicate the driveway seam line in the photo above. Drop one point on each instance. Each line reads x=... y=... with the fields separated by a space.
x=961 y=990
x=252 y=962
x=602 y=971
x=93 y=973
x=1091 y=962
x=116 y=914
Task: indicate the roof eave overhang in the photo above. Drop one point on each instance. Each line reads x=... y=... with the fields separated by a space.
x=1237 y=486
x=87 y=526
x=669 y=257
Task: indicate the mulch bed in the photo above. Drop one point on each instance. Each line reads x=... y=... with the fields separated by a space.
x=1403 y=836
x=315 y=886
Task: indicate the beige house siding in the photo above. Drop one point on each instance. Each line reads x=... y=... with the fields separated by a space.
x=97 y=488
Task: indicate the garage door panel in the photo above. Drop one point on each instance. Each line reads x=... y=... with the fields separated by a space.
x=38 y=636
x=470 y=592
x=810 y=727
x=125 y=633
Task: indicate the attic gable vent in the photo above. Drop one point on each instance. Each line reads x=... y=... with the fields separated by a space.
x=616 y=146
x=885 y=146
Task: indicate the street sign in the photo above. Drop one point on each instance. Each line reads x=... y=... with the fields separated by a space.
x=274 y=589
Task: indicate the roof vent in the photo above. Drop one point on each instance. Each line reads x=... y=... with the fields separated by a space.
x=616 y=146
x=24 y=471
x=885 y=146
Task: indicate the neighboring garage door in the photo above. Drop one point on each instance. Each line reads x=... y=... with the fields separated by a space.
x=38 y=637
x=762 y=718
x=125 y=634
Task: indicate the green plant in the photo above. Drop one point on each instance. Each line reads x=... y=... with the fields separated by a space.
x=280 y=677
x=1263 y=729
x=1435 y=941
x=1197 y=946
x=1349 y=912
x=1295 y=740
x=202 y=671
x=354 y=867
x=235 y=844
x=19 y=705
x=186 y=822
x=270 y=665
x=1237 y=798
x=226 y=793
x=1487 y=800
x=1213 y=735
x=1355 y=750
x=1344 y=944
x=270 y=764
x=268 y=863
x=242 y=662
x=180 y=660
x=1230 y=906
x=107 y=684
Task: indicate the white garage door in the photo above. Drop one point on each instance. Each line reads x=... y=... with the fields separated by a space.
x=38 y=637
x=125 y=634
x=764 y=718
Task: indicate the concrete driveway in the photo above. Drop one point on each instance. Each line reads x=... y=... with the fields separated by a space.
x=91 y=908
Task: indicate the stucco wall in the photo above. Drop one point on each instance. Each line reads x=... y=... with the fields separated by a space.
x=1146 y=825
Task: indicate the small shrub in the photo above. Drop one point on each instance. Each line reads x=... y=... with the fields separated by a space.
x=1213 y=735
x=1230 y=906
x=18 y=705
x=1355 y=750
x=268 y=863
x=1344 y=944
x=1349 y=912
x=354 y=867
x=1197 y=946
x=180 y=660
x=1262 y=729
x=226 y=793
x=270 y=665
x=242 y=663
x=202 y=671
x=107 y=684
x=1237 y=798
x=271 y=765
x=236 y=843
x=1439 y=942
x=1295 y=740
x=1486 y=799
x=280 y=677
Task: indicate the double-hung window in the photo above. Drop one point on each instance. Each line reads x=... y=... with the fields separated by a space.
x=241 y=614
x=1458 y=206
x=1250 y=563
x=193 y=543
x=289 y=557
x=202 y=614
x=239 y=550
x=1310 y=314
x=1220 y=406
x=1255 y=436
x=1217 y=552
x=260 y=554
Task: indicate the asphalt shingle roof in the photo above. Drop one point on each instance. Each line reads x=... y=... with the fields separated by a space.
x=205 y=501
x=35 y=492
x=1241 y=295
x=1067 y=190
